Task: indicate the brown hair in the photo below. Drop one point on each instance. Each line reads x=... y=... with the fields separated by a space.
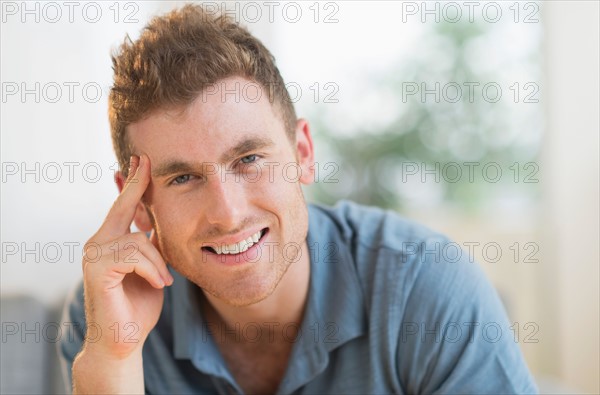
x=176 y=57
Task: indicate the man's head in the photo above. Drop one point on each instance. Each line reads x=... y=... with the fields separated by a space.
x=180 y=55
x=226 y=163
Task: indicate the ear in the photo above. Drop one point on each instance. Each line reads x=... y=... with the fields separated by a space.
x=141 y=218
x=304 y=152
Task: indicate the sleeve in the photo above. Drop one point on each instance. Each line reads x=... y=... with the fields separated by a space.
x=455 y=336
x=73 y=318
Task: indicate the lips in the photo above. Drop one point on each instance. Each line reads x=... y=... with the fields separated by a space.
x=236 y=248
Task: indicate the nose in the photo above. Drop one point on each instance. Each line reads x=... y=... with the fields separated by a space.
x=227 y=203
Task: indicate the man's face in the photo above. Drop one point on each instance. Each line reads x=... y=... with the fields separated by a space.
x=224 y=171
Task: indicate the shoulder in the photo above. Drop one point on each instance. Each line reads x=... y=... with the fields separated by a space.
x=407 y=272
x=377 y=237
x=69 y=345
x=372 y=227
x=397 y=260
x=74 y=312
x=443 y=319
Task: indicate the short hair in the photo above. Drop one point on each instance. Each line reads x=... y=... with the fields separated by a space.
x=176 y=57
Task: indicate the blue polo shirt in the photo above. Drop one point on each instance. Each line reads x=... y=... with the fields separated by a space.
x=392 y=308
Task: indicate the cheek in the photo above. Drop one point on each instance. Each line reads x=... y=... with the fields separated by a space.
x=172 y=214
x=271 y=188
x=175 y=228
x=278 y=180
x=278 y=190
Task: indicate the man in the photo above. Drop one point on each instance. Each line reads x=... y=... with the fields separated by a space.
x=241 y=287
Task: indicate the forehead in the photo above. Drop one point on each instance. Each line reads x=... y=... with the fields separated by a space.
x=222 y=115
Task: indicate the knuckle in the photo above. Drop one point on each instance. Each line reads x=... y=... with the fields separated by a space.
x=140 y=237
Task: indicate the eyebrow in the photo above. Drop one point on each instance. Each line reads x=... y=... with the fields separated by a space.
x=244 y=146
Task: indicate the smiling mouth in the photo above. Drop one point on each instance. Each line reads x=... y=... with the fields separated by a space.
x=237 y=248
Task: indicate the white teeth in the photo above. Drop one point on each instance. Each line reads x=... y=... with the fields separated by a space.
x=238 y=247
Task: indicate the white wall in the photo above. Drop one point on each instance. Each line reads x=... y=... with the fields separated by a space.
x=571 y=277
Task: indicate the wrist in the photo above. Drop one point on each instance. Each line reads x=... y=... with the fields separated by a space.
x=107 y=346
x=98 y=371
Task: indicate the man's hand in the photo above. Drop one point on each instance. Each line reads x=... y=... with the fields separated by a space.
x=124 y=275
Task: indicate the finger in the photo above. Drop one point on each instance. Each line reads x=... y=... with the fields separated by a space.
x=154 y=239
x=150 y=273
x=119 y=218
x=138 y=244
x=111 y=270
x=134 y=163
x=149 y=247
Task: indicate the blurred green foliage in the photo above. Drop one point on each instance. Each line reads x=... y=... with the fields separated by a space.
x=371 y=162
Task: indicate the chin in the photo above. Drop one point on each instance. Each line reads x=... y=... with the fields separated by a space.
x=241 y=297
x=243 y=291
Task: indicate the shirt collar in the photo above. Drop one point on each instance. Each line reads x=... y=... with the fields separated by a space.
x=335 y=312
x=192 y=338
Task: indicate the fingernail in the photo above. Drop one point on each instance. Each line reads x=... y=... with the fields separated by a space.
x=134 y=165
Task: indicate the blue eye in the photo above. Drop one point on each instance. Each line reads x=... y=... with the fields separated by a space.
x=249 y=159
x=182 y=179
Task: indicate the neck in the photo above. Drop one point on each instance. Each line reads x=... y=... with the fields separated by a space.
x=284 y=306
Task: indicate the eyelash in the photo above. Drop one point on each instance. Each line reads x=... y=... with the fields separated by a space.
x=248 y=156
x=173 y=182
